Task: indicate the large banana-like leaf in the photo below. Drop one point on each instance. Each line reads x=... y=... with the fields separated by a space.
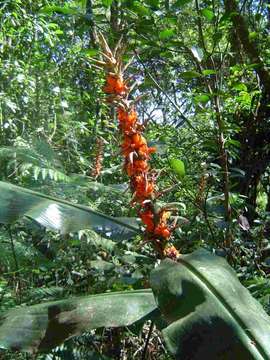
x=60 y=215
x=44 y=326
x=209 y=314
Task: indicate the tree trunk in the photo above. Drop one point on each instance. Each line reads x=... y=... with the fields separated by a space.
x=255 y=134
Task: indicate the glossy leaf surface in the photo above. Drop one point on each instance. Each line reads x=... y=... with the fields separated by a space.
x=44 y=326
x=60 y=215
x=209 y=314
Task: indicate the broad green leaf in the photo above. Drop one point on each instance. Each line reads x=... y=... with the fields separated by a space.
x=178 y=167
x=209 y=314
x=91 y=52
x=60 y=215
x=208 y=14
x=44 y=326
x=165 y=34
x=190 y=75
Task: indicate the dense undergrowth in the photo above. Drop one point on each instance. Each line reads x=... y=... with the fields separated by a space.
x=202 y=84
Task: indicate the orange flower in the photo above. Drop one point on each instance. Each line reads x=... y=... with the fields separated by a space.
x=152 y=150
x=162 y=230
x=114 y=85
x=141 y=165
x=125 y=116
x=144 y=191
x=142 y=188
x=171 y=252
x=127 y=146
x=148 y=219
x=137 y=167
x=127 y=120
x=136 y=142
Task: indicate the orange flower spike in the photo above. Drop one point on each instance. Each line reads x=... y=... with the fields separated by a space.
x=136 y=154
x=127 y=146
x=108 y=89
x=125 y=117
x=129 y=169
x=120 y=88
x=138 y=140
x=137 y=167
x=111 y=80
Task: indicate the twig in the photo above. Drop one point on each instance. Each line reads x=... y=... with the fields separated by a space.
x=15 y=262
x=177 y=108
x=147 y=340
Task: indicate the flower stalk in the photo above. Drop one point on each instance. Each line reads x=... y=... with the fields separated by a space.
x=136 y=153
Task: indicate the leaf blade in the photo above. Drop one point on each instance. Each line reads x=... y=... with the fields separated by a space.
x=178 y=167
x=213 y=311
x=60 y=215
x=42 y=327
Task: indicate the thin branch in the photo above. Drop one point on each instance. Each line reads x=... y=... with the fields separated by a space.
x=147 y=340
x=177 y=108
x=15 y=262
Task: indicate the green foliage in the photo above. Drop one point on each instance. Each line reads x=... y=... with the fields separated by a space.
x=202 y=69
x=59 y=214
x=43 y=327
x=202 y=299
x=178 y=167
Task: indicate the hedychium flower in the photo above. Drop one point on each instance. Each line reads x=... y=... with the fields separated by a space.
x=136 y=152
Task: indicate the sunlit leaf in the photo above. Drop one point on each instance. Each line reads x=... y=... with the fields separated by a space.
x=202 y=98
x=190 y=75
x=60 y=215
x=209 y=314
x=44 y=326
x=165 y=34
x=208 y=14
x=240 y=87
x=178 y=167
x=197 y=52
x=209 y=72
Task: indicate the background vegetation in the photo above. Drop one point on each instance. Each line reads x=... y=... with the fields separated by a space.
x=202 y=68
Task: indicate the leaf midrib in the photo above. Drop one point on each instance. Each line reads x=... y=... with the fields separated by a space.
x=227 y=306
x=12 y=187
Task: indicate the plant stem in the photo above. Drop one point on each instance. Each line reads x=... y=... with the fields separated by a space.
x=15 y=262
x=147 y=340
